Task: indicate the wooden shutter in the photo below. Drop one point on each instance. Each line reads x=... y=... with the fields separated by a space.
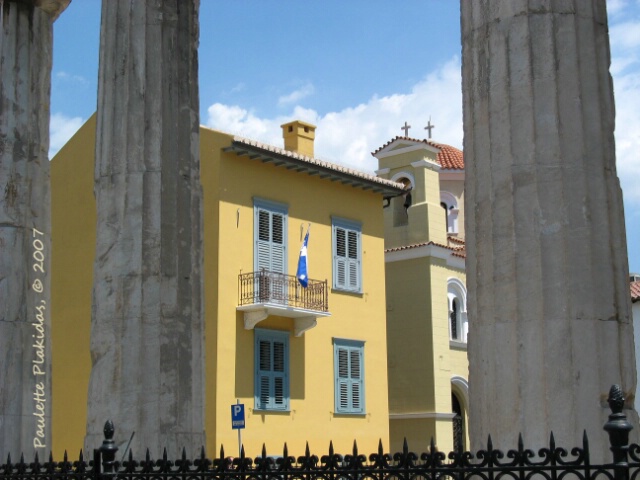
x=348 y=358
x=270 y=238
x=346 y=258
x=272 y=370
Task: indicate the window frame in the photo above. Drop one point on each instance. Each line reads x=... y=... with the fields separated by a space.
x=350 y=346
x=356 y=263
x=271 y=336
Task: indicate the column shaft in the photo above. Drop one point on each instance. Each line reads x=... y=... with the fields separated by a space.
x=147 y=322
x=547 y=270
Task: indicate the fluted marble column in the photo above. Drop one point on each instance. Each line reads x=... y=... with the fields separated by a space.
x=26 y=43
x=147 y=321
x=547 y=272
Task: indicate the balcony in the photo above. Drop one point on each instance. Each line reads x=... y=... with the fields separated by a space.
x=268 y=293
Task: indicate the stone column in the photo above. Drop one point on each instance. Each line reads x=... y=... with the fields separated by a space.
x=147 y=320
x=549 y=310
x=25 y=350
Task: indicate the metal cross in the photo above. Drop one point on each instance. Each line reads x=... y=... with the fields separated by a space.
x=406 y=129
x=429 y=127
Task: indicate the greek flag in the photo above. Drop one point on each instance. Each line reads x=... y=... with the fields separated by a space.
x=302 y=274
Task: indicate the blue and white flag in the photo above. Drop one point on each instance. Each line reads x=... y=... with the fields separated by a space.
x=302 y=273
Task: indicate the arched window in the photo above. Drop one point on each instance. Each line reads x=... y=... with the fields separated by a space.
x=457 y=301
x=458 y=424
x=449 y=202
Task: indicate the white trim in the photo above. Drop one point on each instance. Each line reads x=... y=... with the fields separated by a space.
x=388 y=151
x=426 y=251
x=418 y=415
x=382 y=171
x=407 y=175
x=427 y=163
x=462 y=385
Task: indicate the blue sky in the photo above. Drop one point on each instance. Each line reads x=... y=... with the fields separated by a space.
x=357 y=69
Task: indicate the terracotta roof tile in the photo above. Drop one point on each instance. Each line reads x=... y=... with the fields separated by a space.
x=449 y=158
x=635 y=291
x=456 y=251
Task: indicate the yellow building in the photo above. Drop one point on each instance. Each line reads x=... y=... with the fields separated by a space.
x=309 y=364
x=426 y=295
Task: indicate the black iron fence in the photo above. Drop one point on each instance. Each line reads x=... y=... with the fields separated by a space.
x=280 y=289
x=549 y=463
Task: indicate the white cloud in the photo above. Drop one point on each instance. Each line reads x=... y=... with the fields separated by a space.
x=70 y=77
x=61 y=129
x=350 y=135
x=627 y=94
x=297 y=95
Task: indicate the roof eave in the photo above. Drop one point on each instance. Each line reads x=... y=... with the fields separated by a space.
x=302 y=165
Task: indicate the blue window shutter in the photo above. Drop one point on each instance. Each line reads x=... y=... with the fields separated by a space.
x=349 y=376
x=272 y=370
x=347 y=264
x=270 y=234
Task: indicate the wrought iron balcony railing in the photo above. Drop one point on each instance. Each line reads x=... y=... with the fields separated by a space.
x=267 y=287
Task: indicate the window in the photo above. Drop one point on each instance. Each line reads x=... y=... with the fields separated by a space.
x=457 y=300
x=347 y=265
x=270 y=233
x=348 y=364
x=272 y=370
x=449 y=202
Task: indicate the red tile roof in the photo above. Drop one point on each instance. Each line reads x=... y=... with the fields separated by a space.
x=635 y=291
x=449 y=158
x=456 y=251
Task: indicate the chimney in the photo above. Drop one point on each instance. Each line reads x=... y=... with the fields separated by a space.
x=298 y=137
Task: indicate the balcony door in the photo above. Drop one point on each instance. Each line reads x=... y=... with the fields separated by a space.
x=270 y=254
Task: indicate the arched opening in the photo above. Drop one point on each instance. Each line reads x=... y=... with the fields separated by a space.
x=401 y=204
x=457 y=301
x=449 y=203
x=459 y=435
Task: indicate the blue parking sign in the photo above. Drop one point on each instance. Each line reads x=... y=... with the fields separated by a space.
x=237 y=415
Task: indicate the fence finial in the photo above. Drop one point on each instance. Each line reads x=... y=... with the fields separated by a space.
x=108 y=448
x=618 y=428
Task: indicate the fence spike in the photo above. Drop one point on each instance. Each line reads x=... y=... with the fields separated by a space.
x=221 y=452
x=81 y=456
x=330 y=448
x=242 y=453
x=489 y=443
x=552 y=441
x=51 y=456
x=355 y=448
x=307 y=452
x=22 y=458
x=380 y=451
x=130 y=455
x=164 y=455
x=184 y=454
x=148 y=456
x=264 y=451
x=285 y=451
x=520 y=442
x=36 y=460
x=8 y=459
x=202 y=454
x=432 y=445
x=405 y=446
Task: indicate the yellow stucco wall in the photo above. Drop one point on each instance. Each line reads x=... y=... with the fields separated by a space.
x=353 y=316
x=229 y=185
x=73 y=239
